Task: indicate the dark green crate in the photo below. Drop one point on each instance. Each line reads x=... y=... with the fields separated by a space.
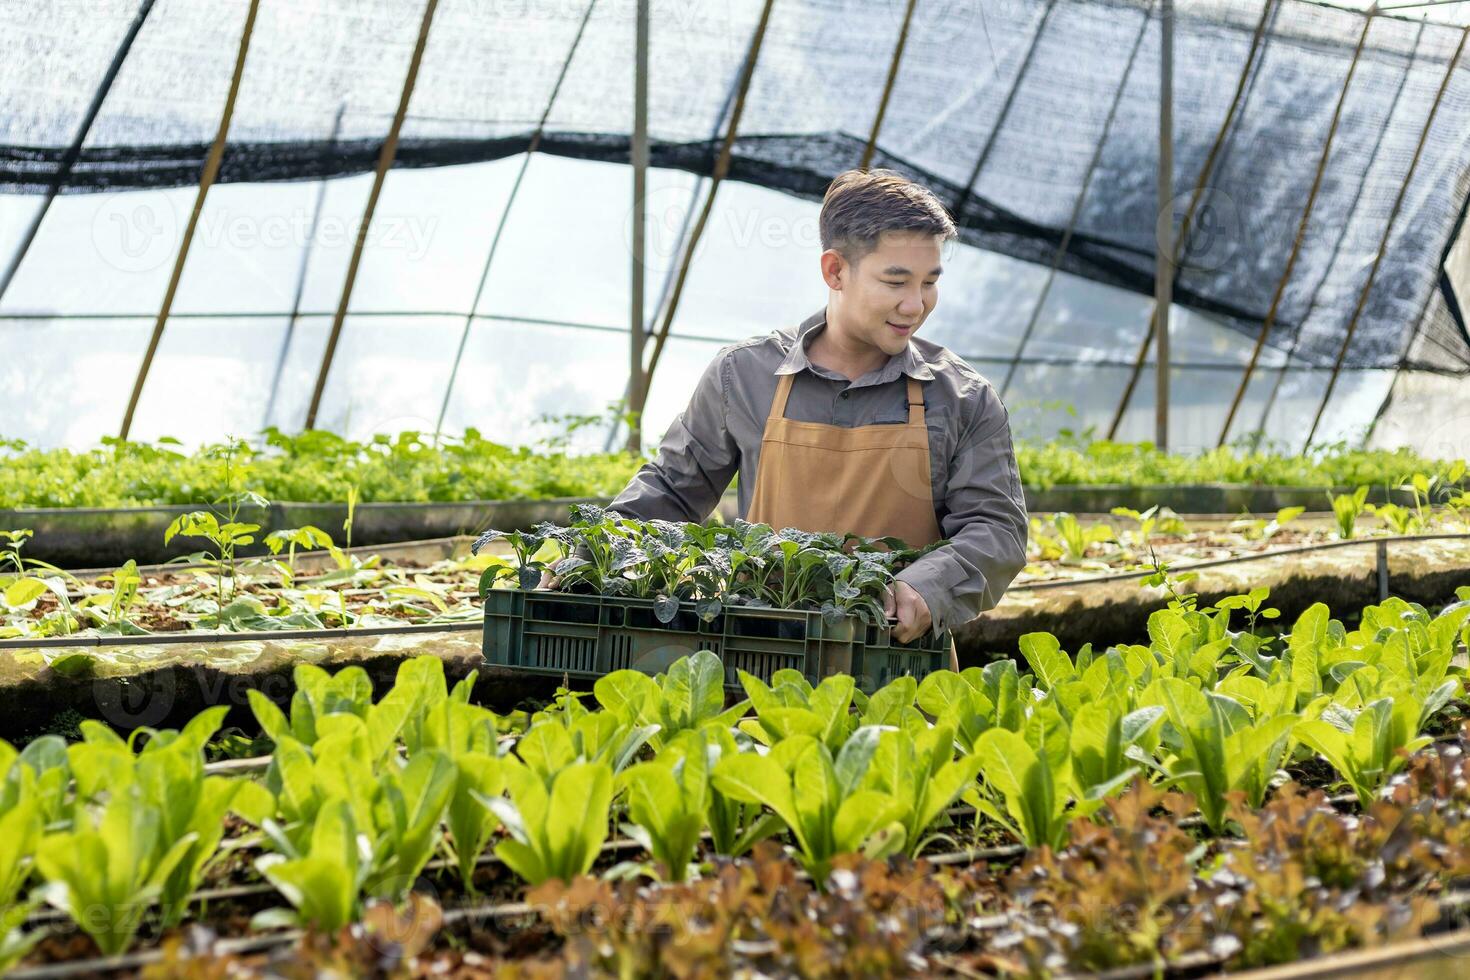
x=589 y=635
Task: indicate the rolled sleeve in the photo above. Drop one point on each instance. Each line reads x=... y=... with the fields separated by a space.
x=695 y=462
x=984 y=520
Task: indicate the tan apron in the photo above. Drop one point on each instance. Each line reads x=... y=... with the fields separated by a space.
x=871 y=480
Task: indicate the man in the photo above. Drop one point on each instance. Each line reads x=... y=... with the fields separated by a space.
x=850 y=423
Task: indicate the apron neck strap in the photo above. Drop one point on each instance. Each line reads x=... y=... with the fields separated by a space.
x=916 y=402
x=783 y=392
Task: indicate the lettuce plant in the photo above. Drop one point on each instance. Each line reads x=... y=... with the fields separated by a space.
x=920 y=772
x=1216 y=747
x=820 y=798
x=20 y=832
x=1103 y=736
x=735 y=825
x=106 y=875
x=323 y=880
x=791 y=706
x=550 y=746
x=1367 y=746
x=169 y=776
x=407 y=811
x=478 y=776
x=41 y=772
x=690 y=695
x=1347 y=508
x=668 y=802
x=976 y=699
x=1028 y=770
x=556 y=829
x=317 y=695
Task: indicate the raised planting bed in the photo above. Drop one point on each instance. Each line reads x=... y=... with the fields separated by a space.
x=94 y=537
x=47 y=670
x=1114 y=606
x=88 y=537
x=1136 y=810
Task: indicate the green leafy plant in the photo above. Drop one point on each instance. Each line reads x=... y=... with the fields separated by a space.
x=1367 y=746
x=1155 y=519
x=119 y=601
x=820 y=798
x=1400 y=520
x=791 y=706
x=106 y=875
x=556 y=828
x=1264 y=530
x=920 y=772
x=1217 y=748
x=1347 y=508
x=690 y=695
x=323 y=880
x=1029 y=772
x=668 y=802
x=478 y=776
x=407 y=812
x=307 y=536
x=976 y=699
x=711 y=567
x=169 y=777
x=735 y=825
x=226 y=537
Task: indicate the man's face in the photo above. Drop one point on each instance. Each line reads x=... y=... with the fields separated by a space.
x=889 y=294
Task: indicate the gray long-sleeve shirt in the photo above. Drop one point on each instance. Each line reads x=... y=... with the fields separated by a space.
x=977 y=490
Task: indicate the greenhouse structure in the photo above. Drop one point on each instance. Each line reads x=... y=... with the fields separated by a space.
x=448 y=528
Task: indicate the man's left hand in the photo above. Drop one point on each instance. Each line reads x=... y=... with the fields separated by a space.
x=912 y=612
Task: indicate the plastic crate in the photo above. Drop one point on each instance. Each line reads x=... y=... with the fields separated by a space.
x=589 y=635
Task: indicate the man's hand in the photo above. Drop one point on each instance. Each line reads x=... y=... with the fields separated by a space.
x=548 y=581
x=912 y=612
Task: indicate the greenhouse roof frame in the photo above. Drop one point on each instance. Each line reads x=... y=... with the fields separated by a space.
x=1430 y=344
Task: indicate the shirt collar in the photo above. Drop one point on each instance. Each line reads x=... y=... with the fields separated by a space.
x=909 y=361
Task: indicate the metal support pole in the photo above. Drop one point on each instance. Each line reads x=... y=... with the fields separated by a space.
x=1393 y=214
x=637 y=391
x=206 y=181
x=515 y=189
x=1243 y=84
x=1301 y=234
x=666 y=295
x=903 y=37
x=69 y=158
x=385 y=161
x=1056 y=262
x=316 y=216
x=1164 y=267
x=1382 y=555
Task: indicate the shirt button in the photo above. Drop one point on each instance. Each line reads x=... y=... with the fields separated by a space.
x=845 y=394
